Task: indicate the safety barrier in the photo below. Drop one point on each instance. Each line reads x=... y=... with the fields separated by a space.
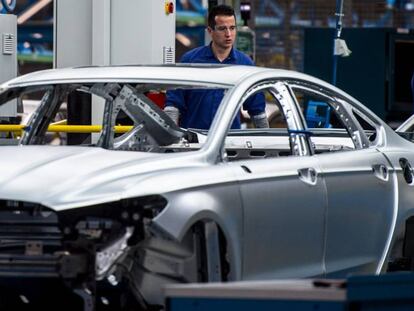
x=18 y=129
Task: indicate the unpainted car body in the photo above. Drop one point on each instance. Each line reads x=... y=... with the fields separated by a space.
x=120 y=215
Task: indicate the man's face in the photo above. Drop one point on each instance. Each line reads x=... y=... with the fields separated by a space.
x=224 y=33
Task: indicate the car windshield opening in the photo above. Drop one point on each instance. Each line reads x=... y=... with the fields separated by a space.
x=113 y=115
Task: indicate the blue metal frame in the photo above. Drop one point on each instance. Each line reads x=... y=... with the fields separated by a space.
x=8 y=7
x=318 y=114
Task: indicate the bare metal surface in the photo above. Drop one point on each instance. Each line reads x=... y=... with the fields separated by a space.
x=292 y=202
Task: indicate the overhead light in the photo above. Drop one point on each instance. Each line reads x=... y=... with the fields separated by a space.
x=32 y=11
x=37 y=35
x=184 y=40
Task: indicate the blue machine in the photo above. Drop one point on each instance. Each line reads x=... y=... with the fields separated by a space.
x=318 y=114
x=388 y=292
x=8 y=6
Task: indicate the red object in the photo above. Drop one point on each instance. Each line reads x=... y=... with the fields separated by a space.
x=170 y=8
x=158 y=98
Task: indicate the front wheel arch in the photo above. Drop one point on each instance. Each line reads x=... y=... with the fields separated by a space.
x=211 y=250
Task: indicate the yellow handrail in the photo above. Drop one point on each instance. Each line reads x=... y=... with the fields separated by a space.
x=61 y=122
x=54 y=128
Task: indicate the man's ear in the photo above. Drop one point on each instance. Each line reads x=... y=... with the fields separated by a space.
x=209 y=30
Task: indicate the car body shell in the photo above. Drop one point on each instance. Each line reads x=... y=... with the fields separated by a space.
x=279 y=218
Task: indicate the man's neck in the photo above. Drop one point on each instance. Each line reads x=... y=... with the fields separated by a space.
x=219 y=53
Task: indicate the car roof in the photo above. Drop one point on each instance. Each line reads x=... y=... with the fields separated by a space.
x=221 y=75
x=180 y=74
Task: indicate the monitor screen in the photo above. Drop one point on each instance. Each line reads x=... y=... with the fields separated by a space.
x=403 y=70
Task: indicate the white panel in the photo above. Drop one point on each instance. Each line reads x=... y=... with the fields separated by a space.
x=162 y=31
x=130 y=39
x=9 y=43
x=8 y=58
x=73 y=33
x=140 y=30
x=112 y=32
x=101 y=30
x=168 y=55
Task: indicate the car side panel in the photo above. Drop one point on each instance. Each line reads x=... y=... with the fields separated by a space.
x=284 y=219
x=360 y=210
x=405 y=193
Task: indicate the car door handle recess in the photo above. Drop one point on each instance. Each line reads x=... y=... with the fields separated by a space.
x=407 y=171
x=246 y=169
x=308 y=175
x=380 y=171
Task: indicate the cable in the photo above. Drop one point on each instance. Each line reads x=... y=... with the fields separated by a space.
x=339 y=15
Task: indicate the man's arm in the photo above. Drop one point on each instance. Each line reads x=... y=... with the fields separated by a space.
x=173 y=113
x=260 y=120
x=174 y=104
x=256 y=107
x=175 y=98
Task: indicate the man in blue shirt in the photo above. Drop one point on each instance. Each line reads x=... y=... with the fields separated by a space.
x=196 y=108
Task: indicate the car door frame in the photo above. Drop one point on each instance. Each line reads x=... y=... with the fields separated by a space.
x=290 y=254
x=378 y=173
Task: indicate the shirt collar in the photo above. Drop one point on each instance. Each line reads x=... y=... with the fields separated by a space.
x=209 y=53
x=232 y=54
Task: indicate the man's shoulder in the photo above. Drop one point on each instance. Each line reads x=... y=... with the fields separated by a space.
x=194 y=54
x=242 y=59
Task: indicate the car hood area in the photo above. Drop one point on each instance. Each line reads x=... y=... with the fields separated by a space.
x=68 y=177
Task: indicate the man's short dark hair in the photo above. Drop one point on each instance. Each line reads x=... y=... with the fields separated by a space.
x=221 y=9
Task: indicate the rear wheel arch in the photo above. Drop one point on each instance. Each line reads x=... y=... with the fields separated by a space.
x=401 y=255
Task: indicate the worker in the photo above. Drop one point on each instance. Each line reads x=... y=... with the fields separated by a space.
x=196 y=108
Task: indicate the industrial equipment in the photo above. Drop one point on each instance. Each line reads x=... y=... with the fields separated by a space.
x=109 y=32
x=378 y=72
x=360 y=292
x=8 y=59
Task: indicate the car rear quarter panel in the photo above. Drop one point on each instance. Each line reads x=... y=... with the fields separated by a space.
x=405 y=190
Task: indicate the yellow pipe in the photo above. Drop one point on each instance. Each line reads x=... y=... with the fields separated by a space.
x=86 y=128
x=61 y=122
x=11 y=127
x=18 y=128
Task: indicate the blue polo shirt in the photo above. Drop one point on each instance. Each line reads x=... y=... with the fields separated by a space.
x=198 y=106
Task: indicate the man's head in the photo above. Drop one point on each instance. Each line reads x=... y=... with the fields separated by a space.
x=222 y=26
